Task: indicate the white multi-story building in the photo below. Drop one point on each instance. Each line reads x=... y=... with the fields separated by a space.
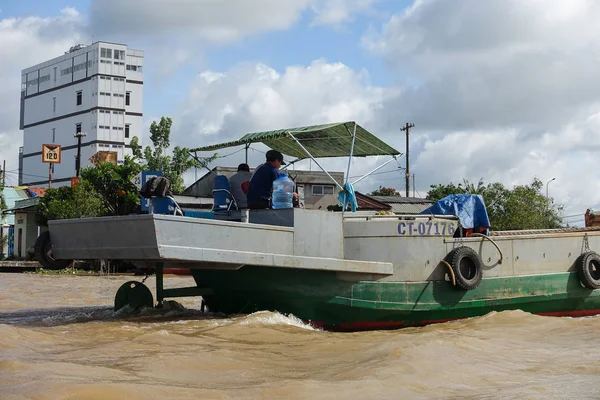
x=94 y=89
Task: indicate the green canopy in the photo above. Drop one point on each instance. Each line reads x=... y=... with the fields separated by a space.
x=330 y=140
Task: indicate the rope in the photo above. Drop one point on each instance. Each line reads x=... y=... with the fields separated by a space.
x=491 y=240
x=450 y=271
x=146 y=277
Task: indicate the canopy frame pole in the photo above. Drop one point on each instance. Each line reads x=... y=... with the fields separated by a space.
x=195 y=157
x=369 y=173
x=316 y=162
x=351 y=152
x=289 y=164
x=349 y=159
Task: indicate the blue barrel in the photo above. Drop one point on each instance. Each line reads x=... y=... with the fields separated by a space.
x=283 y=192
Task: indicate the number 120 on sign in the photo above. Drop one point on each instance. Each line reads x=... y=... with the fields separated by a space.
x=51 y=153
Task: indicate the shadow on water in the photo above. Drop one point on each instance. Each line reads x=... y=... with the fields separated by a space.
x=48 y=317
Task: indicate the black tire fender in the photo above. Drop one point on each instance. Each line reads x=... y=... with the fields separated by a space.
x=42 y=251
x=588 y=269
x=466 y=266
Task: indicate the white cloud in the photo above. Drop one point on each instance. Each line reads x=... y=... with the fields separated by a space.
x=25 y=42
x=336 y=12
x=504 y=90
x=178 y=33
x=215 y=20
x=250 y=97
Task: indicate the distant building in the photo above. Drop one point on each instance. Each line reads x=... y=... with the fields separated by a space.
x=18 y=223
x=315 y=189
x=94 y=89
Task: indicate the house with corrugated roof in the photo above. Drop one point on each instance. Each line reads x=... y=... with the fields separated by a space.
x=315 y=188
x=18 y=221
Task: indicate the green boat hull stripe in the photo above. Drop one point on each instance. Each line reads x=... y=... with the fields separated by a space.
x=334 y=303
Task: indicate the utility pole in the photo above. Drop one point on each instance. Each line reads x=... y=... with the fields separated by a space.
x=196 y=167
x=406 y=129
x=78 y=135
x=3 y=173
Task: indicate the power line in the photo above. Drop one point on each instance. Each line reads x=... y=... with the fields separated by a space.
x=573 y=216
x=376 y=173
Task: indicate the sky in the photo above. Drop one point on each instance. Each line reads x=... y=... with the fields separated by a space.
x=499 y=90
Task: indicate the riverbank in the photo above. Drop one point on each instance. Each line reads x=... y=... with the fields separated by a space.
x=35 y=267
x=19 y=266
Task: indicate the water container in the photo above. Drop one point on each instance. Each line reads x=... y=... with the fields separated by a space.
x=283 y=192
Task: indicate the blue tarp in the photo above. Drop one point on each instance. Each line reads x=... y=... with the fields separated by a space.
x=348 y=196
x=469 y=208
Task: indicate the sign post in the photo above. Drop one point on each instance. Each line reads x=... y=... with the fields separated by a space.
x=139 y=180
x=51 y=154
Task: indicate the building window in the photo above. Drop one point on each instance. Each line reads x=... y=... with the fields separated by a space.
x=127 y=98
x=78 y=128
x=322 y=190
x=54 y=74
x=119 y=54
x=79 y=97
x=127 y=131
x=54 y=104
x=102 y=52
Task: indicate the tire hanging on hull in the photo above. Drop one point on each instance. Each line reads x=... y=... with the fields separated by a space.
x=43 y=253
x=466 y=266
x=588 y=269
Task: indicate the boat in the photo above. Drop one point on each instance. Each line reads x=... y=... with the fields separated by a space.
x=347 y=270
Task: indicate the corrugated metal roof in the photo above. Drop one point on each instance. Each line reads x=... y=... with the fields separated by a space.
x=409 y=208
x=401 y=199
x=23 y=203
x=328 y=140
x=369 y=203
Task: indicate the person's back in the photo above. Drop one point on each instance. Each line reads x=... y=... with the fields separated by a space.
x=235 y=185
x=261 y=186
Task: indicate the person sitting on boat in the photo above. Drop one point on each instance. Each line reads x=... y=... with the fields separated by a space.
x=238 y=185
x=261 y=184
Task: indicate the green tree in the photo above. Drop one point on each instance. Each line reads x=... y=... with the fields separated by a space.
x=523 y=207
x=440 y=191
x=65 y=202
x=384 y=191
x=113 y=183
x=158 y=159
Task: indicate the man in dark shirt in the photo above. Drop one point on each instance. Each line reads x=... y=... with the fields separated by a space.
x=261 y=184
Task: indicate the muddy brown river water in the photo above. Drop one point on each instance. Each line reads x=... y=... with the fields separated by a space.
x=60 y=339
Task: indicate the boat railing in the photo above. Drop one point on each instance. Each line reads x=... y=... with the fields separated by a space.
x=398 y=217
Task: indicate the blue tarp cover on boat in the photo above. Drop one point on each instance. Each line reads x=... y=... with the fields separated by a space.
x=469 y=208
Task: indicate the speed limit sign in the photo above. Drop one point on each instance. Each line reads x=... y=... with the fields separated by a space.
x=51 y=153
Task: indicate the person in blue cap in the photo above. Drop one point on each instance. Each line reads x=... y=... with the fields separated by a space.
x=261 y=184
